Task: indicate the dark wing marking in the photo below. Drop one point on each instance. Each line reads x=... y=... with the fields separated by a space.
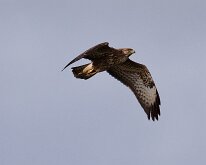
x=138 y=78
x=98 y=51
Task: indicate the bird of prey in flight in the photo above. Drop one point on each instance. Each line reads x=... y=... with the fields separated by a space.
x=117 y=63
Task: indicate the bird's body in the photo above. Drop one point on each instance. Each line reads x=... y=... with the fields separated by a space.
x=117 y=63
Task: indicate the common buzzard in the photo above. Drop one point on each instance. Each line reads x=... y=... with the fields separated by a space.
x=117 y=63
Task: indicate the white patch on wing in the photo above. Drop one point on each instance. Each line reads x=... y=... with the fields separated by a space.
x=151 y=94
x=147 y=94
x=88 y=68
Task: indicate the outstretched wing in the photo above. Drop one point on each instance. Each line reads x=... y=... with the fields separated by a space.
x=98 y=51
x=138 y=78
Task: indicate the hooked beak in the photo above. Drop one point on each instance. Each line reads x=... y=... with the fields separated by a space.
x=133 y=51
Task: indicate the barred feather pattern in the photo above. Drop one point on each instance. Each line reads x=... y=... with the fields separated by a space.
x=138 y=78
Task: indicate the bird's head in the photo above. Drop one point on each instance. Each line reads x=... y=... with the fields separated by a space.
x=128 y=51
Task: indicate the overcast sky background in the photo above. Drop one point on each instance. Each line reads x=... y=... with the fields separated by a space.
x=48 y=117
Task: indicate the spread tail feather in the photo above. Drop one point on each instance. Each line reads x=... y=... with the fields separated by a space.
x=84 y=72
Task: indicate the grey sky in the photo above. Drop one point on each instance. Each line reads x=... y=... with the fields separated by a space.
x=49 y=117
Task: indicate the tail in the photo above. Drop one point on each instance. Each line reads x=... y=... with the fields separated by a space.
x=84 y=72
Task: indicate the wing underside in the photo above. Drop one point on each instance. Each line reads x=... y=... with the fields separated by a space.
x=138 y=79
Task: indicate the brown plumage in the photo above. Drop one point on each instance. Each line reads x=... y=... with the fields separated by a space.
x=117 y=63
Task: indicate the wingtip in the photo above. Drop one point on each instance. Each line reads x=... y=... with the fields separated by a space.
x=154 y=113
x=68 y=65
x=153 y=118
x=64 y=68
x=148 y=116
